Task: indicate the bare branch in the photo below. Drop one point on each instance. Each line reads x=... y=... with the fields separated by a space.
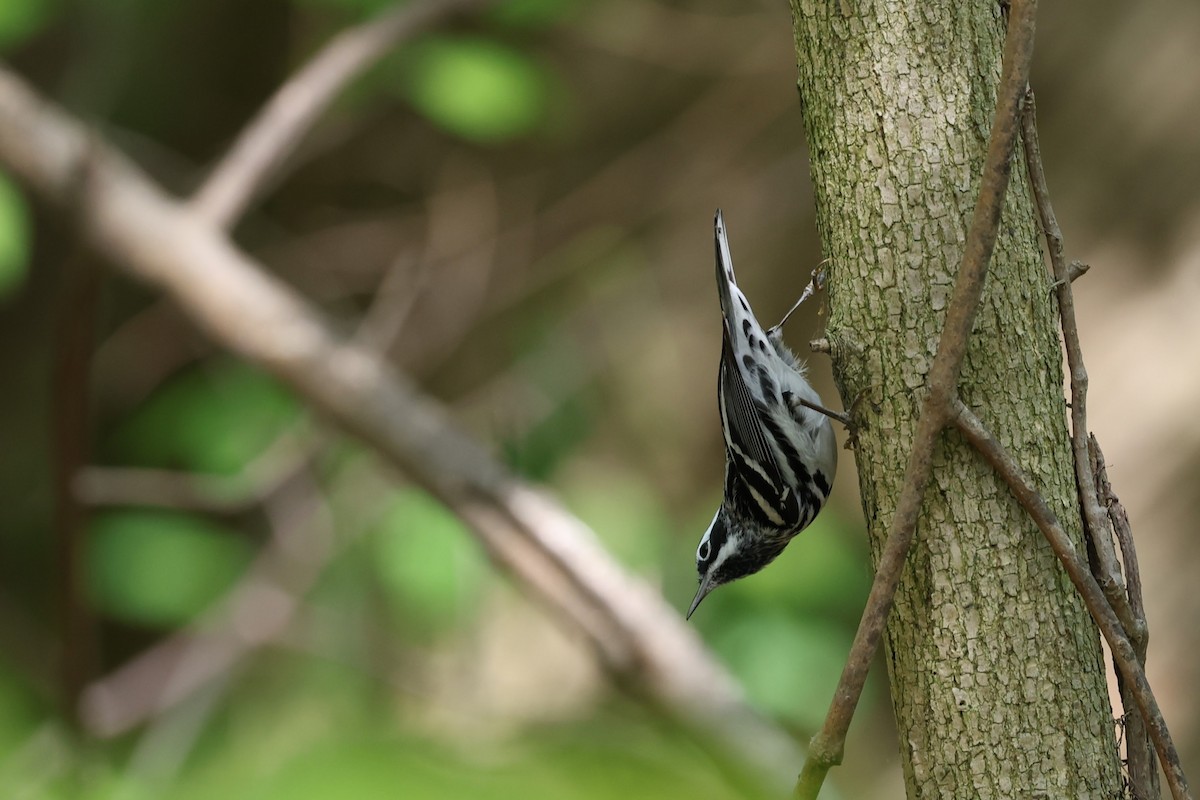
x=828 y=745
x=1143 y=772
x=276 y=131
x=1091 y=479
x=1120 y=523
x=1093 y=596
x=1096 y=521
x=217 y=494
x=547 y=551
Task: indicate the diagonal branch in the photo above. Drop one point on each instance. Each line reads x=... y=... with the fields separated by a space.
x=1124 y=654
x=273 y=135
x=548 y=552
x=828 y=745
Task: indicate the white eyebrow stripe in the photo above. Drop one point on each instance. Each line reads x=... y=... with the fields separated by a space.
x=731 y=545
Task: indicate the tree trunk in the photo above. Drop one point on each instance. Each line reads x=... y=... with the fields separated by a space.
x=996 y=670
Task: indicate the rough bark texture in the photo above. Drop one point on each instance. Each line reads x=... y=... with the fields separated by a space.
x=996 y=670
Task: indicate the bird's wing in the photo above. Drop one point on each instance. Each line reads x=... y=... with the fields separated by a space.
x=744 y=433
x=751 y=456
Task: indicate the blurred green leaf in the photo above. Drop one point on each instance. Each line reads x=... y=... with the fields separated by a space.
x=789 y=666
x=19 y=711
x=359 y=8
x=426 y=560
x=20 y=19
x=822 y=571
x=359 y=770
x=531 y=13
x=215 y=418
x=476 y=88
x=14 y=228
x=160 y=568
x=612 y=758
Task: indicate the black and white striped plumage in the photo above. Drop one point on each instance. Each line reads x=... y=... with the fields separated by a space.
x=780 y=455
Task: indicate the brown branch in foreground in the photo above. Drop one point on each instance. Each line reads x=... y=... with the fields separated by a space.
x=547 y=551
x=273 y=135
x=1139 y=750
x=1094 y=517
x=1089 y=589
x=829 y=744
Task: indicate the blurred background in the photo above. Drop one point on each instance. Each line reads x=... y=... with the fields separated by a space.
x=517 y=208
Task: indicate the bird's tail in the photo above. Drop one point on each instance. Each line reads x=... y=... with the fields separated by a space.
x=734 y=305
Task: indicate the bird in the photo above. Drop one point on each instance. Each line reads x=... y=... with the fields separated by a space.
x=780 y=449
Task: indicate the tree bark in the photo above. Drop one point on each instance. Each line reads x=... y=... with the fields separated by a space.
x=996 y=671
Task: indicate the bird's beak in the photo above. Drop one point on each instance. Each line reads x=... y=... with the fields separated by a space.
x=706 y=586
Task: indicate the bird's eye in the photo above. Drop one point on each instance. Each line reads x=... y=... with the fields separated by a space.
x=703 y=550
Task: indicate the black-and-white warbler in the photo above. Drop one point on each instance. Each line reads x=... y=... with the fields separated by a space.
x=780 y=455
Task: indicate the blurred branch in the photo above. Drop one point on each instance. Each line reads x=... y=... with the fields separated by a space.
x=551 y=554
x=394 y=301
x=74 y=343
x=258 y=610
x=273 y=135
x=217 y=494
x=828 y=746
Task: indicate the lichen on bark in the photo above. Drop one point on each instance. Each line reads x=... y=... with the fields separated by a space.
x=996 y=670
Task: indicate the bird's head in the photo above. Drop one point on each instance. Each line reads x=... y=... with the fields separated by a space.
x=731 y=549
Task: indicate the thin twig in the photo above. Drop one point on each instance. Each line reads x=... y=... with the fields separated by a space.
x=1120 y=523
x=1085 y=583
x=394 y=300
x=1139 y=750
x=548 y=552
x=276 y=131
x=829 y=744
x=1094 y=517
x=1125 y=601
